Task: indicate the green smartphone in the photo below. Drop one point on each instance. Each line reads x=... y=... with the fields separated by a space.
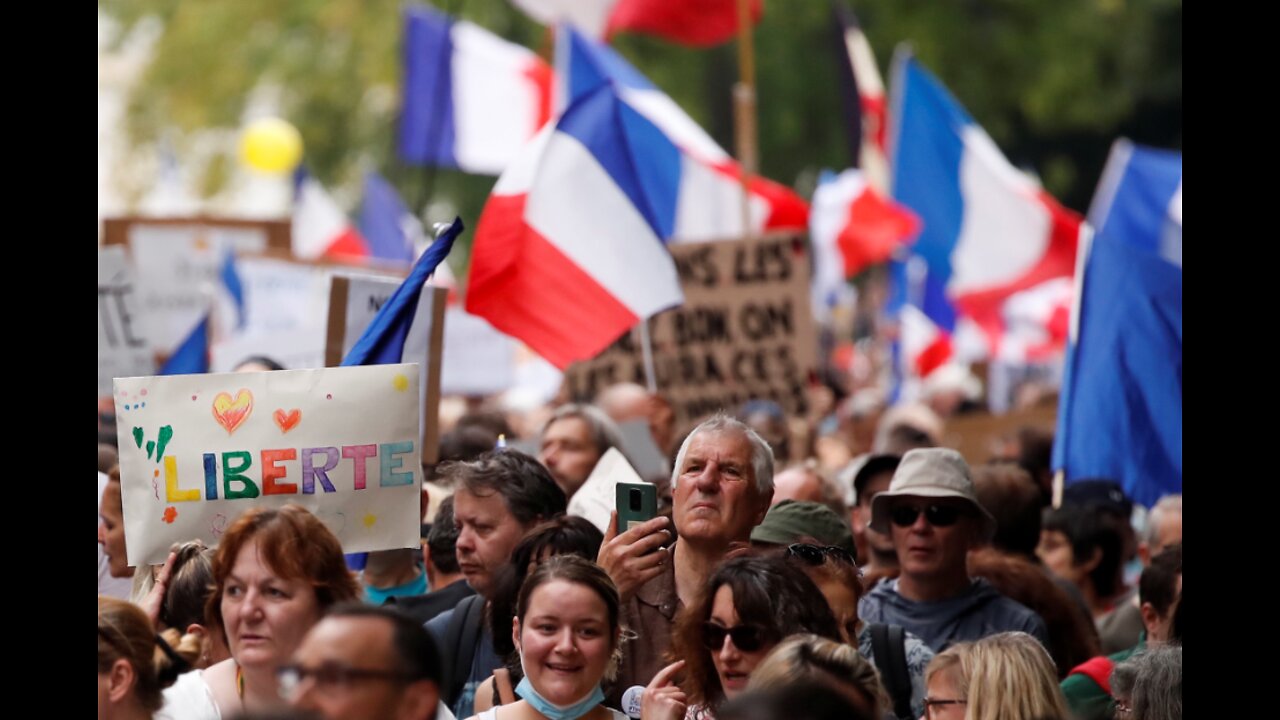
x=636 y=503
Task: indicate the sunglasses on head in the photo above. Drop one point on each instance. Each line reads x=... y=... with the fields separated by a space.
x=747 y=638
x=817 y=554
x=935 y=515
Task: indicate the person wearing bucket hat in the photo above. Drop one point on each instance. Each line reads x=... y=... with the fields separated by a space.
x=792 y=521
x=934 y=518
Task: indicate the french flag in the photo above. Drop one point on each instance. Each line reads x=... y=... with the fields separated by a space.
x=320 y=227
x=471 y=99
x=697 y=23
x=989 y=232
x=852 y=227
x=708 y=204
x=570 y=250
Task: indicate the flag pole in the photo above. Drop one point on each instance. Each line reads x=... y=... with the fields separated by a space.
x=646 y=349
x=744 y=116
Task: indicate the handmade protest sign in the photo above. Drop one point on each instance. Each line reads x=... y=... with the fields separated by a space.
x=123 y=350
x=196 y=451
x=744 y=332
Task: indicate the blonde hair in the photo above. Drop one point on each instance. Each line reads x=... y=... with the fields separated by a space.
x=809 y=658
x=1007 y=676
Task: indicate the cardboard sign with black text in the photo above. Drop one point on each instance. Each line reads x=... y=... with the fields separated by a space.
x=744 y=332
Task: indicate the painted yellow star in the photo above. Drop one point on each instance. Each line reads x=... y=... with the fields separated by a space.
x=400 y=382
x=370 y=519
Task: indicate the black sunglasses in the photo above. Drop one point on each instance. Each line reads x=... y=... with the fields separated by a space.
x=817 y=554
x=747 y=638
x=935 y=515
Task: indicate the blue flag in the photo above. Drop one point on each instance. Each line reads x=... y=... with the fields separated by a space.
x=191 y=357
x=1120 y=412
x=383 y=341
x=383 y=216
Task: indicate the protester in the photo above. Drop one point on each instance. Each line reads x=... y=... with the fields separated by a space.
x=365 y=663
x=722 y=485
x=564 y=535
x=900 y=656
x=820 y=661
x=1148 y=686
x=567 y=630
x=1085 y=547
x=876 y=553
x=1122 y=627
x=935 y=521
x=747 y=607
x=448 y=584
x=1087 y=687
x=181 y=615
x=128 y=681
x=499 y=497
x=1007 y=676
x=275 y=573
x=573 y=441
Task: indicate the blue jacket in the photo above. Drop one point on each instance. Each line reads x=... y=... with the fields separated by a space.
x=976 y=613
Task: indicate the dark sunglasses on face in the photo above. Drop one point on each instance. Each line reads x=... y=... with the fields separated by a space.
x=935 y=515
x=747 y=638
x=817 y=554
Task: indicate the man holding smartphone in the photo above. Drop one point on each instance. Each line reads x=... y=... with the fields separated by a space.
x=722 y=486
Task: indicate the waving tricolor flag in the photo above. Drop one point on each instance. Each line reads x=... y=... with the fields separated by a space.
x=320 y=227
x=471 y=99
x=570 y=250
x=989 y=232
x=708 y=200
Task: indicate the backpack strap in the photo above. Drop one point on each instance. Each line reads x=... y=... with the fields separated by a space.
x=460 y=640
x=888 y=647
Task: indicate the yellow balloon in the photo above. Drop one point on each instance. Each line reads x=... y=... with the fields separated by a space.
x=271 y=145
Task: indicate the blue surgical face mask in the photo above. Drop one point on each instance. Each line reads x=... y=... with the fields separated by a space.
x=559 y=712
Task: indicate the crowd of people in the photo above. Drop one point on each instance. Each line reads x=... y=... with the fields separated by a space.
x=779 y=579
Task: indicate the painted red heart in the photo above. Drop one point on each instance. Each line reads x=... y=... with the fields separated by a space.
x=287 y=420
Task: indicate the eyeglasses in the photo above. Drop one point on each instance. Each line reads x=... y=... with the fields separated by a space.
x=817 y=554
x=747 y=638
x=931 y=703
x=331 y=676
x=935 y=515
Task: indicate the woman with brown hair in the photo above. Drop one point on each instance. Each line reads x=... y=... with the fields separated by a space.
x=128 y=684
x=567 y=633
x=180 y=618
x=748 y=606
x=274 y=575
x=565 y=535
